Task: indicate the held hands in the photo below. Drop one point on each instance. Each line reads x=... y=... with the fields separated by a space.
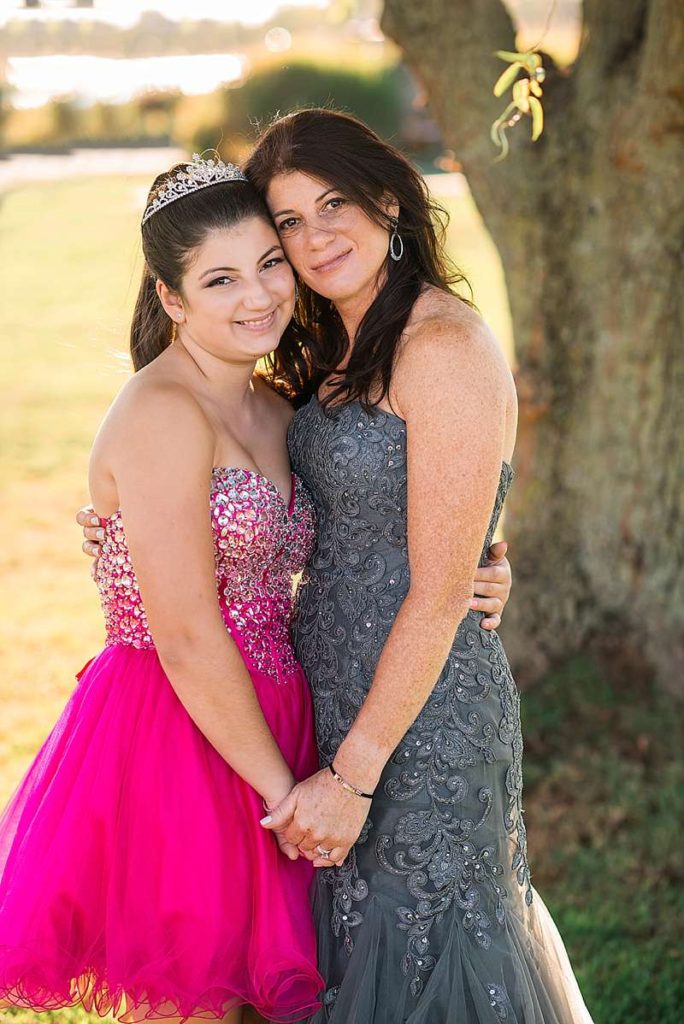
x=320 y=813
x=289 y=849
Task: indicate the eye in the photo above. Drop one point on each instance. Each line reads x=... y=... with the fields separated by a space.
x=335 y=202
x=220 y=280
x=287 y=225
x=273 y=262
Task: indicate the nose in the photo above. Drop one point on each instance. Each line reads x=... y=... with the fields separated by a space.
x=318 y=237
x=257 y=296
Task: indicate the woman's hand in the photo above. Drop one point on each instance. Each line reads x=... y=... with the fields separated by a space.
x=92 y=531
x=320 y=813
x=492 y=586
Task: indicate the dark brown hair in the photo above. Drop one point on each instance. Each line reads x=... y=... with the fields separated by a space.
x=344 y=153
x=168 y=239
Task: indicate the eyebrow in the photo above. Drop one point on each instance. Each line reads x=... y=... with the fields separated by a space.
x=317 y=200
x=235 y=270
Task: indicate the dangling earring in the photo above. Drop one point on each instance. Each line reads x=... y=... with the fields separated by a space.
x=396 y=245
x=174 y=328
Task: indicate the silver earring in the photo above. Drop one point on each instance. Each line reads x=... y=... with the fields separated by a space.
x=396 y=245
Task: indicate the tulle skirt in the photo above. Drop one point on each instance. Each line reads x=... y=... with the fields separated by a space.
x=524 y=977
x=134 y=874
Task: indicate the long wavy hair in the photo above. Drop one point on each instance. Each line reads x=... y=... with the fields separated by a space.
x=169 y=238
x=344 y=153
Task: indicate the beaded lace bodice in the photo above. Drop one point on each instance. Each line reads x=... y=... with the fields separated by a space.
x=259 y=545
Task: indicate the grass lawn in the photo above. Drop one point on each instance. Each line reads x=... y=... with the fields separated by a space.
x=602 y=791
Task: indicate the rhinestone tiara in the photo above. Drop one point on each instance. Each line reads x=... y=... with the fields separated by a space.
x=197 y=174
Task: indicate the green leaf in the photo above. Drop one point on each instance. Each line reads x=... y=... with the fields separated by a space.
x=515 y=58
x=506 y=79
x=521 y=92
x=537 y=117
x=503 y=143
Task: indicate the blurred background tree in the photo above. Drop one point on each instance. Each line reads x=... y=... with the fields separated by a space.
x=589 y=223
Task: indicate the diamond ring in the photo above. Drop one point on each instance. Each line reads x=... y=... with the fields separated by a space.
x=323 y=852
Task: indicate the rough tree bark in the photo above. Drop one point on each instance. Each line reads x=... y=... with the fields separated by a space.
x=589 y=222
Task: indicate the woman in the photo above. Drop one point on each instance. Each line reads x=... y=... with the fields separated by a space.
x=134 y=874
x=427 y=914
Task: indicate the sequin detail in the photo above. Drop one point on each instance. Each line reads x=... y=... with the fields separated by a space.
x=125 y=619
x=260 y=543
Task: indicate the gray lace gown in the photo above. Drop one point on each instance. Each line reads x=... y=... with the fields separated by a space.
x=432 y=918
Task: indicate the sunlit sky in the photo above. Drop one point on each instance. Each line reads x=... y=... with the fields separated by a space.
x=127 y=12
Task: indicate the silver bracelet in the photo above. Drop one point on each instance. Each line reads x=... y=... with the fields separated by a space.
x=347 y=785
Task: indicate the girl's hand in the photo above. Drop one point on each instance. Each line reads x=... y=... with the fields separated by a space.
x=286 y=847
x=492 y=586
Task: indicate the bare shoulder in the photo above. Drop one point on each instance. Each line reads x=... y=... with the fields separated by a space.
x=151 y=411
x=445 y=334
x=276 y=405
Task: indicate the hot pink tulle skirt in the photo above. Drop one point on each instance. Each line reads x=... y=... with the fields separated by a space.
x=134 y=874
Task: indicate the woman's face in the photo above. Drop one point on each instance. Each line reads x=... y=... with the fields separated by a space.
x=237 y=293
x=335 y=248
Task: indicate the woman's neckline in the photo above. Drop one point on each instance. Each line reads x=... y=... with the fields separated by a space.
x=384 y=412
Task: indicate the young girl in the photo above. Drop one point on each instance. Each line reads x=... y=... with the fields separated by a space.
x=134 y=874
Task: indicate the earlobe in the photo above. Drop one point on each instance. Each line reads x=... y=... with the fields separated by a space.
x=170 y=301
x=390 y=206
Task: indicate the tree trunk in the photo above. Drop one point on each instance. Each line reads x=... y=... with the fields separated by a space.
x=589 y=223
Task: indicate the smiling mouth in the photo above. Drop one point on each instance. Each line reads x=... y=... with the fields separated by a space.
x=332 y=264
x=260 y=323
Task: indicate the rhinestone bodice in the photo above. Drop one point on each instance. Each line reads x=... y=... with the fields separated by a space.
x=260 y=543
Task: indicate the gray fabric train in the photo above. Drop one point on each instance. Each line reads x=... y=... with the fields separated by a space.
x=432 y=917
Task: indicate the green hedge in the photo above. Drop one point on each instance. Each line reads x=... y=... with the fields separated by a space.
x=377 y=96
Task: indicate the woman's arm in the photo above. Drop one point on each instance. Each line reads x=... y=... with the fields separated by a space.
x=161 y=461
x=448 y=380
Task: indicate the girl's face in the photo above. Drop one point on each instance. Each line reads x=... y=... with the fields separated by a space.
x=335 y=248
x=237 y=293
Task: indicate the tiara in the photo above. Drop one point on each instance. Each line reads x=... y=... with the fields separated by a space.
x=196 y=175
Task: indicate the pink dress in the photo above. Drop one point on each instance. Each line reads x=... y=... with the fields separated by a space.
x=134 y=874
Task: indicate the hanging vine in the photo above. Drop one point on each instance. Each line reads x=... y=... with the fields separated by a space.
x=526 y=93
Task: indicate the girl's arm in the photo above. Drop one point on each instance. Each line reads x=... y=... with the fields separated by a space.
x=161 y=460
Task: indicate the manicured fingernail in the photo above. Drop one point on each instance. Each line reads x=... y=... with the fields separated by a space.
x=474 y=603
x=95 y=521
x=267 y=820
x=100 y=534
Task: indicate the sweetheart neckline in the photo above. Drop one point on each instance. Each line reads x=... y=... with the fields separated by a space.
x=289 y=503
